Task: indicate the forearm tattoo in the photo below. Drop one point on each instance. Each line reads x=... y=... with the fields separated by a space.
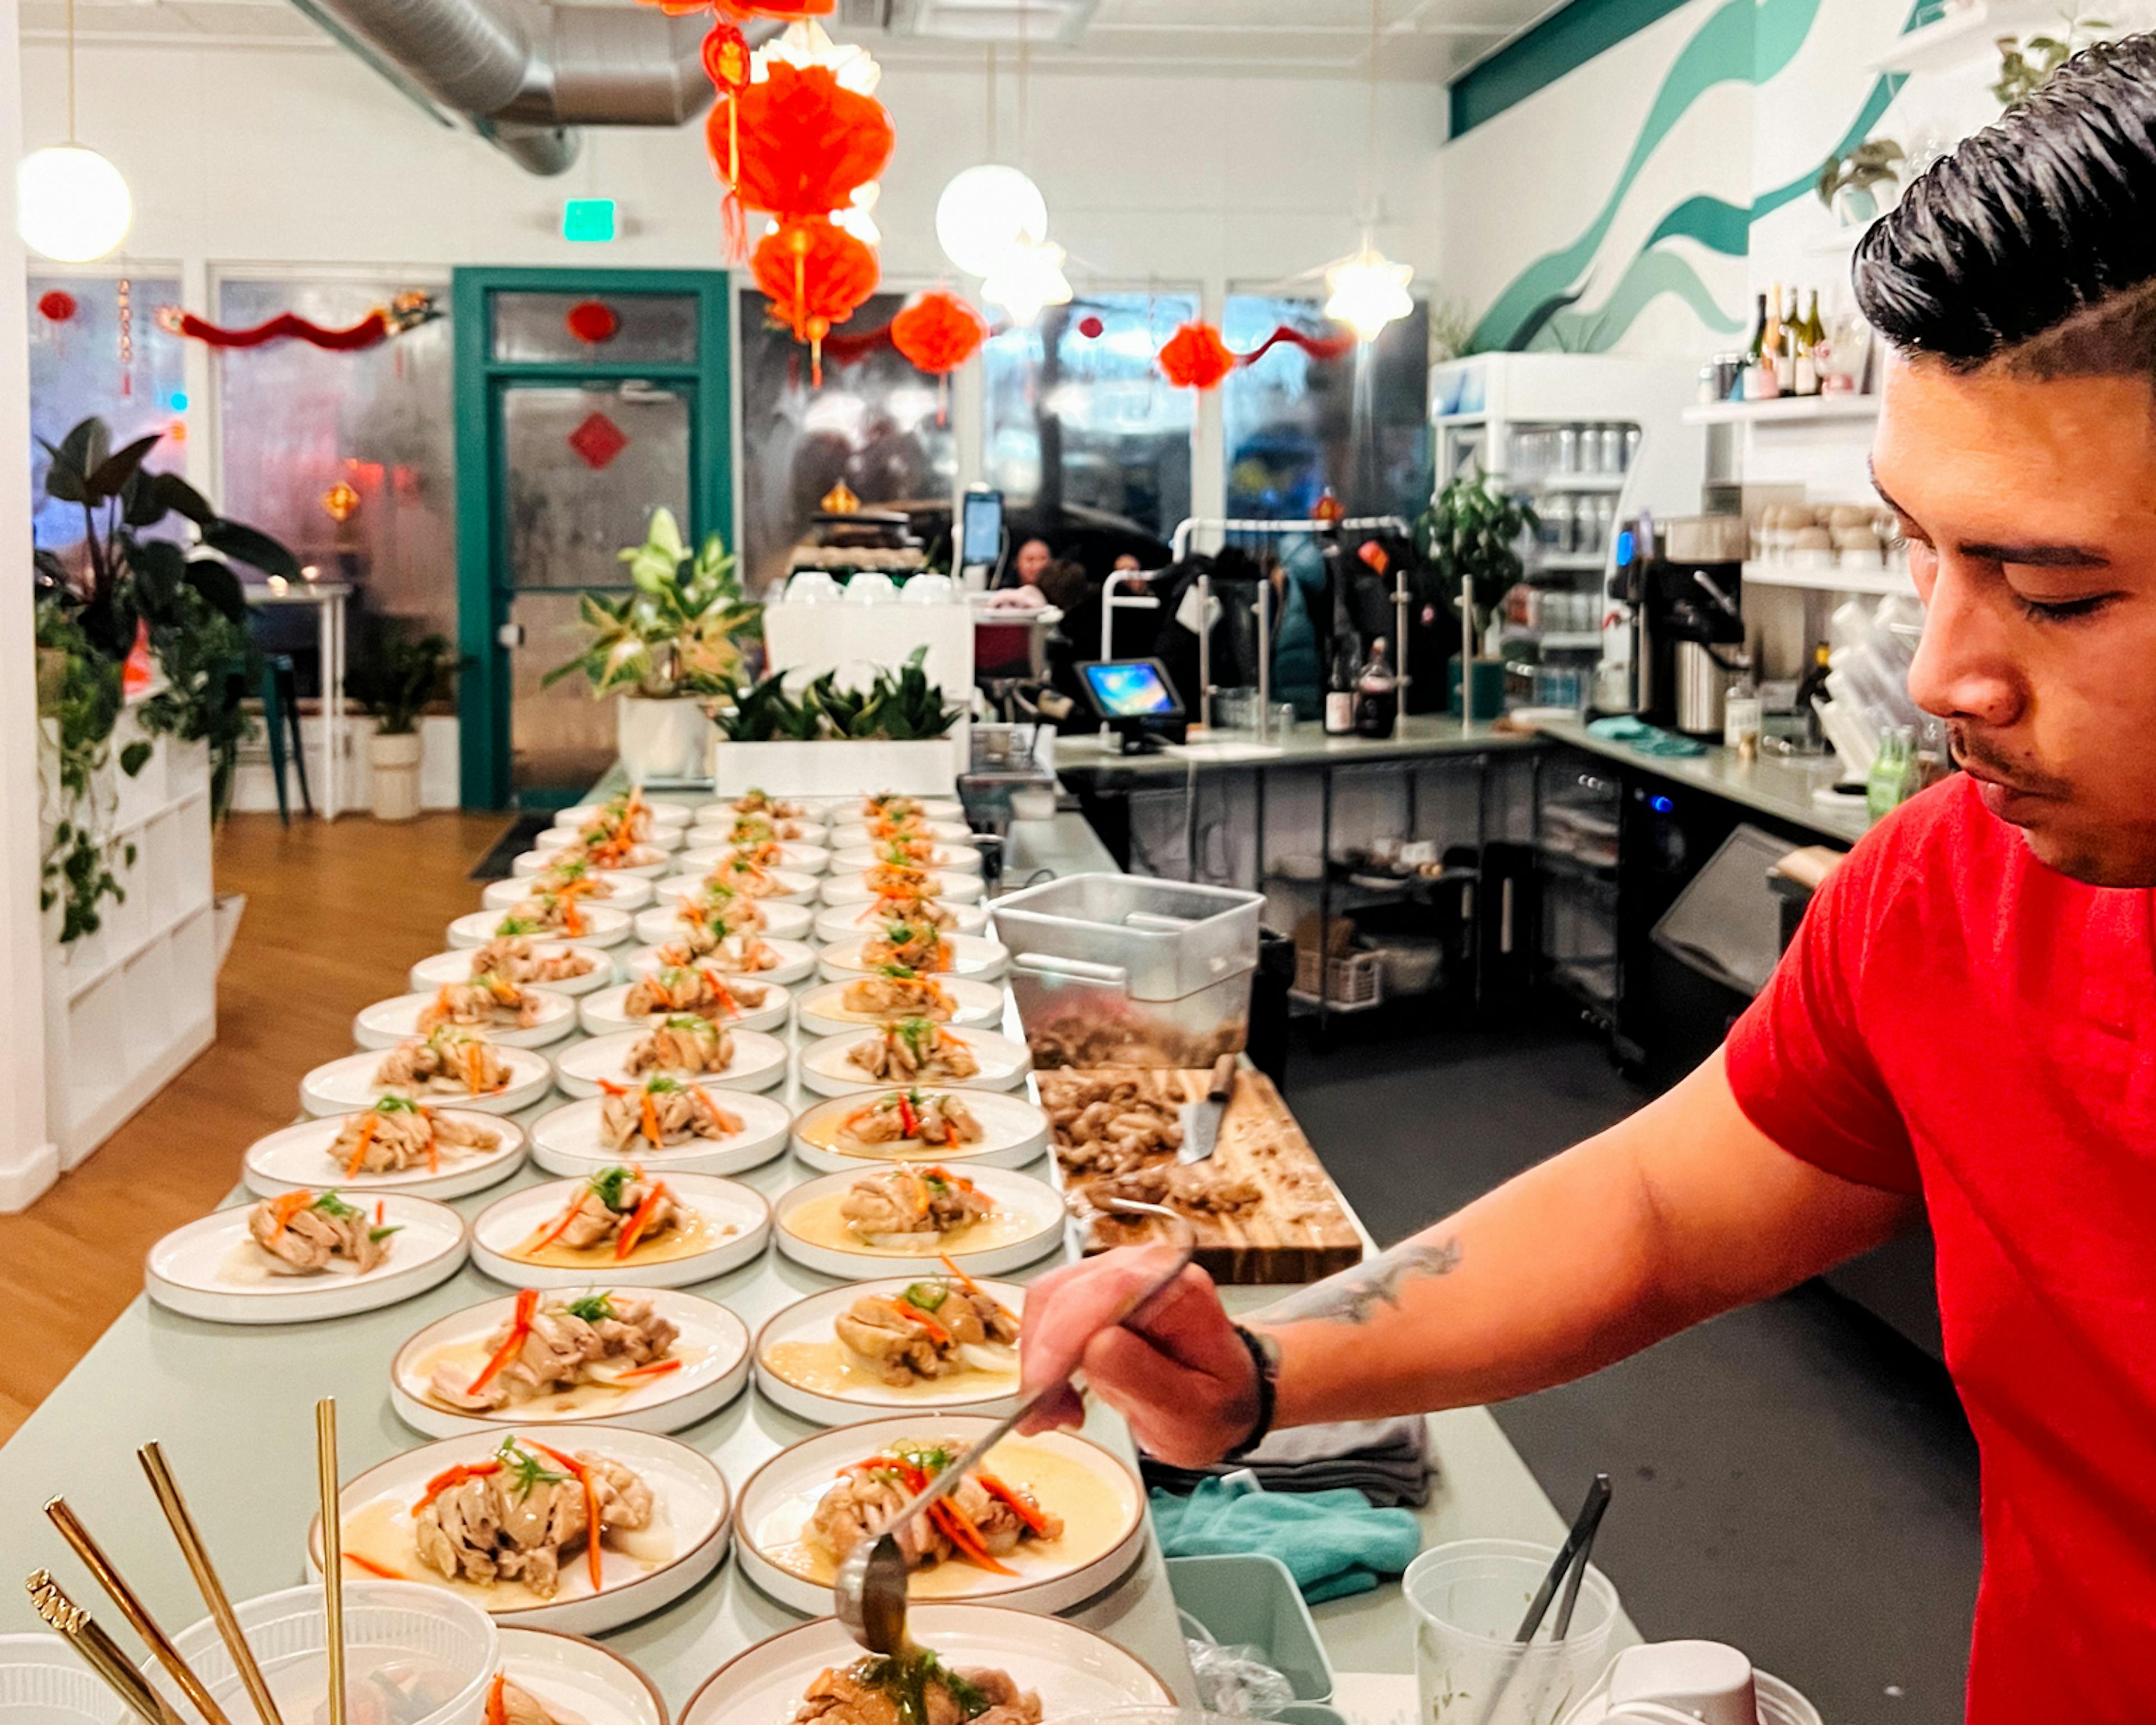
x=1356 y=1297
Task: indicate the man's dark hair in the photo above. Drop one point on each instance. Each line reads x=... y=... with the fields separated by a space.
x=2034 y=241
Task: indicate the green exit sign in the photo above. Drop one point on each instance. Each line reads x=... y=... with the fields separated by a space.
x=588 y=218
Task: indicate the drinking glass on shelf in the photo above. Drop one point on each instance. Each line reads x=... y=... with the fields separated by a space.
x=1568 y=449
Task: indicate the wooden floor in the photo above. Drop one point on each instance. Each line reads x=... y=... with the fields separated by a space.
x=335 y=915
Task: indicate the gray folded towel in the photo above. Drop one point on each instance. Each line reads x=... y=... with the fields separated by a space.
x=1388 y=1461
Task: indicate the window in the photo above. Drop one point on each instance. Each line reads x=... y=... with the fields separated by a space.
x=877 y=424
x=295 y=421
x=76 y=371
x=1077 y=414
x=1294 y=423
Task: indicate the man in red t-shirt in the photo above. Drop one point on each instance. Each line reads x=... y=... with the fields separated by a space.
x=1965 y=1027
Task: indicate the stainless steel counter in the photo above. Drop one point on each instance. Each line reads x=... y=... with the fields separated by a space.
x=1428 y=734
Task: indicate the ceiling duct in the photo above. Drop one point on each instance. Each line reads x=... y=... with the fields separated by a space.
x=524 y=75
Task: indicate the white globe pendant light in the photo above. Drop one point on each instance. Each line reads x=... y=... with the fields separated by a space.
x=985 y=213
x=1029 y=278
x=1367 y=291
x=72 y=205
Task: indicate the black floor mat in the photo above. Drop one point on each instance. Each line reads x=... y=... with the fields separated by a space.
x=514 y=840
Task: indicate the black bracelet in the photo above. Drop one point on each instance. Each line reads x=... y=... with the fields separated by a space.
x=1266 y=1365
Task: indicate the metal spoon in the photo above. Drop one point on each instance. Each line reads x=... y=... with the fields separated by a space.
x=869 y=1597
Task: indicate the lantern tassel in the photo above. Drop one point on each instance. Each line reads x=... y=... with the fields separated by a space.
x=816 y=362
x=733 y=143
x=943 y=401
x=801 y=304
x=737 y=228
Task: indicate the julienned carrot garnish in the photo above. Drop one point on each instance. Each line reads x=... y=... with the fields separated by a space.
x=1035 y=1522
x=381 y=1571
x=381 y=1211
x=721 y=993
x=520 y=1326
x=560 y=1226
x=912 y=1313
x=497 y=1709
x=651 y=1129
x=906 y=1119
x=289 y=1206
x=633 y=1229
x=657 y=1369
x=725 y=1122
x=582 y=1475
x=611 y=1088
x=367 y=1123
x=966 y=1537
x=455 y=1475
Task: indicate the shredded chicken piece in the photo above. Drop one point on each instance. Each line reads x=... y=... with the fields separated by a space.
x=516 y=1522
x=913 y=1048
x=395 y=1135
x=890 y=805
x=520 y=1707
x=755 y=801
x=611 y=1201
x=894 y=879
x=912 y=1206
x=930 y=1330
x=765 y=830
x=910 y=946
x=302 y=1233
x=567 y=1342
x=686 y=1044
x=1195 y=1190
x=869 y=1494
x=868 y=1693
x=684 y=988
x=736 y=955
x=909 y=907
x=751 y=880
x=603 y=853
x=679 y=1111
x=715 y=912
x=450 y=1061
x=545 y=911
x=913 y=1115
x=1108 y=1127
x=899 y=992
x=486 y=1001
x=578 y=879
x=517 y=959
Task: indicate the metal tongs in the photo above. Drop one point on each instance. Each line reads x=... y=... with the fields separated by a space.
x=869 y=1597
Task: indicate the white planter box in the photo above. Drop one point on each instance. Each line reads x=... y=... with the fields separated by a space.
x=664 y=741
x=837 y=769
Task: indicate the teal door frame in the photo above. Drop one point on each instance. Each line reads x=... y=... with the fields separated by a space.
x=483 y=587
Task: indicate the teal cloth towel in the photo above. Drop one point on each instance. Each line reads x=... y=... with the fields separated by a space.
x=1333 y=1543
x=1646 y=739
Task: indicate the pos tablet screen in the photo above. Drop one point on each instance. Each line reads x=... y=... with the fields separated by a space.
x=1127 y=689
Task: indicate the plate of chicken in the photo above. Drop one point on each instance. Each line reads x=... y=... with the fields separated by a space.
x=921 y=1123
x=737 y=873
x=917 y=945
x=550 y=1678
x=544 y=916
x=939 y=1342
x=755 y=800
x=449 y=1067
x=609 y=887
x=649 y=861
x=972 y=1664
x=695 y=1050
x=397 y=1145
x=562 y=967
x=846 y=922
x=721 y=826
x=857 y=836
x=898 y=806
x=1043 y=1523
x=858 y=886
x=693 y=911
x=858 y=1226
x=625 y=1226
x=750 y=957
x=629 y=815
x=705 y=854
x=313 y=1253
x=664 y=1126
x=897 y=991
x=913 y=1051
x=507 y=1521
x=509 y=1014
x=654 y=1359
x=686 y=990
x=908 y=854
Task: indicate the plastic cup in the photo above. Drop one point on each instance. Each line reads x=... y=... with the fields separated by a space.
x=1468 y=1598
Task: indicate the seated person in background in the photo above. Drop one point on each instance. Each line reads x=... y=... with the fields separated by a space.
x=1068 y=587
x=1022 y=591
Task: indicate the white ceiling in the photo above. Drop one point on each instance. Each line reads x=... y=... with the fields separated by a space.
x=1423 y=40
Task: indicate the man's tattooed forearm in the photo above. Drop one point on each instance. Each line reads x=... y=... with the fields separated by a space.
x=1355 y=1296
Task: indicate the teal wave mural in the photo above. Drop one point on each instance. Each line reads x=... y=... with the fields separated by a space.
x=1649 y=275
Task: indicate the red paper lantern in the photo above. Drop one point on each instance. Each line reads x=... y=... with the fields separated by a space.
x=56 y=305
x=592 y=321
x=789 y=10
x=1195 y=357
x=815 y=274
x=1091 y=328
x=806 y=143
x=938 y=332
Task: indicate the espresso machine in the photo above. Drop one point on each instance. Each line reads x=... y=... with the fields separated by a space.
x=1686 y=589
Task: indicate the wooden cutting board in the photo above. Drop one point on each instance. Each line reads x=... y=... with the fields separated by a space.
x=1296 y=1231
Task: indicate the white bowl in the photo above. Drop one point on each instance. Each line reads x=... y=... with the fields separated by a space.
x=574 y=1678
x=797 y=960
x=298 y=1158
x=690 y=1492
x=825 y=1069
x=43 y=1680
x=854 y=889
x=786 y=1373
x=340 y=1087
x=759 y=1063
x=795 y=887
x=601 y=1014
x=929 y=589
x=851 y=923
x=1014 y=1133
x=1033 y=1228
x=799 y=859
x=603 y=926
x=567 y=1142
x=186 y=1271
x=713 y=1346
x=951 y=858
x=455 y=966
x=624 y=892
x=663 y=921
x=973 y=956
x=738 y=1210
x=871 y=587
x=388 y=1023
x=821 y=1010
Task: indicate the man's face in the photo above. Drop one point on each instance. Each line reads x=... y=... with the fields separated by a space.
x=2029 y=507
x=1033 y=556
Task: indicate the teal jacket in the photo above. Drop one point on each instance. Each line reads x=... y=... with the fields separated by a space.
x=1298 y=658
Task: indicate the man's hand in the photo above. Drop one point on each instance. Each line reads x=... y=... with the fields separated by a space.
x=1177 y=1370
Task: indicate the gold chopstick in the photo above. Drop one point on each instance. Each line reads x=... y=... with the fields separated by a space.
x=326 y=1471
x=196 y=1553
x=98 y=1652
x=132 y=1609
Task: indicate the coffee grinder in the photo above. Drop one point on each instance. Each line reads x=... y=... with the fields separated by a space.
x=1688 y=599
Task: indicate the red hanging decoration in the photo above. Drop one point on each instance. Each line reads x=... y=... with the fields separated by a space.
x=56 y=305
x=805 y=144
x=592 y=321
x=788 y=10
x=1316 y=346
x=1195 y=357
x=726 y=64
x=938 y=332
x=406 y=311
x=596 y=440
x=815 y=274
x=1091 y=328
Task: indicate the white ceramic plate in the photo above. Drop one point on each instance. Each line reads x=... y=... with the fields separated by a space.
x=626 y=892
x=713 y=1347
x=534 y=862
x=794 y=887
x=973 y=956
x=601 y=1014
x=825 y=1069
x=1074 y=1671
x=455 y=966
x=662 y=922
x=663 y=814
x=189 y=1270
x=759 y=1063
x=854 y=889
x=952 y=859
x=848 y=923
x=853 y=833
x=1031 y=1227
x=822 y=1010
x=796 y=857
x=576 y=1679
x=569 y=1141
x=688 y=1540
x=1015 y=1132
x=1066 y=1471
x=342 y=1085
x=507 y=1223
x=797 y=959
x=297 y=1158
x=388 y=1023
x=603 y=926
x=810 y=1324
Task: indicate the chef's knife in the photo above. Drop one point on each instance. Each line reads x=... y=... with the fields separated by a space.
x=1201 y=1120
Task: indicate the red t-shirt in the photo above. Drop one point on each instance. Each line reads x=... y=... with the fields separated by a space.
x=1956 y=1020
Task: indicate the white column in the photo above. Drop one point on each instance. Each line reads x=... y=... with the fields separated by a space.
x=1209 y=455
x=30 y=1160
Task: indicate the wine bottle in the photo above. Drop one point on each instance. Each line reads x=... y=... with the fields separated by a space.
x=1341 y=675
x=1377 y=694
x=1755 y=355
x=1816 y=331
x=1806 y=381
x=1785 y=353
x=1770 y=347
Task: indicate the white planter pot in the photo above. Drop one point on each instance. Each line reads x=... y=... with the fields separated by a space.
x=393 y=765
x=839 y=769
x=663 y=741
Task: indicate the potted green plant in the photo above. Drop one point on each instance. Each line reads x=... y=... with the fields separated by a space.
x=1849 y=185
x=2026 y=67
x=1468 y=541
x=894 y=731
x=666 y=650
x=395 y=683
